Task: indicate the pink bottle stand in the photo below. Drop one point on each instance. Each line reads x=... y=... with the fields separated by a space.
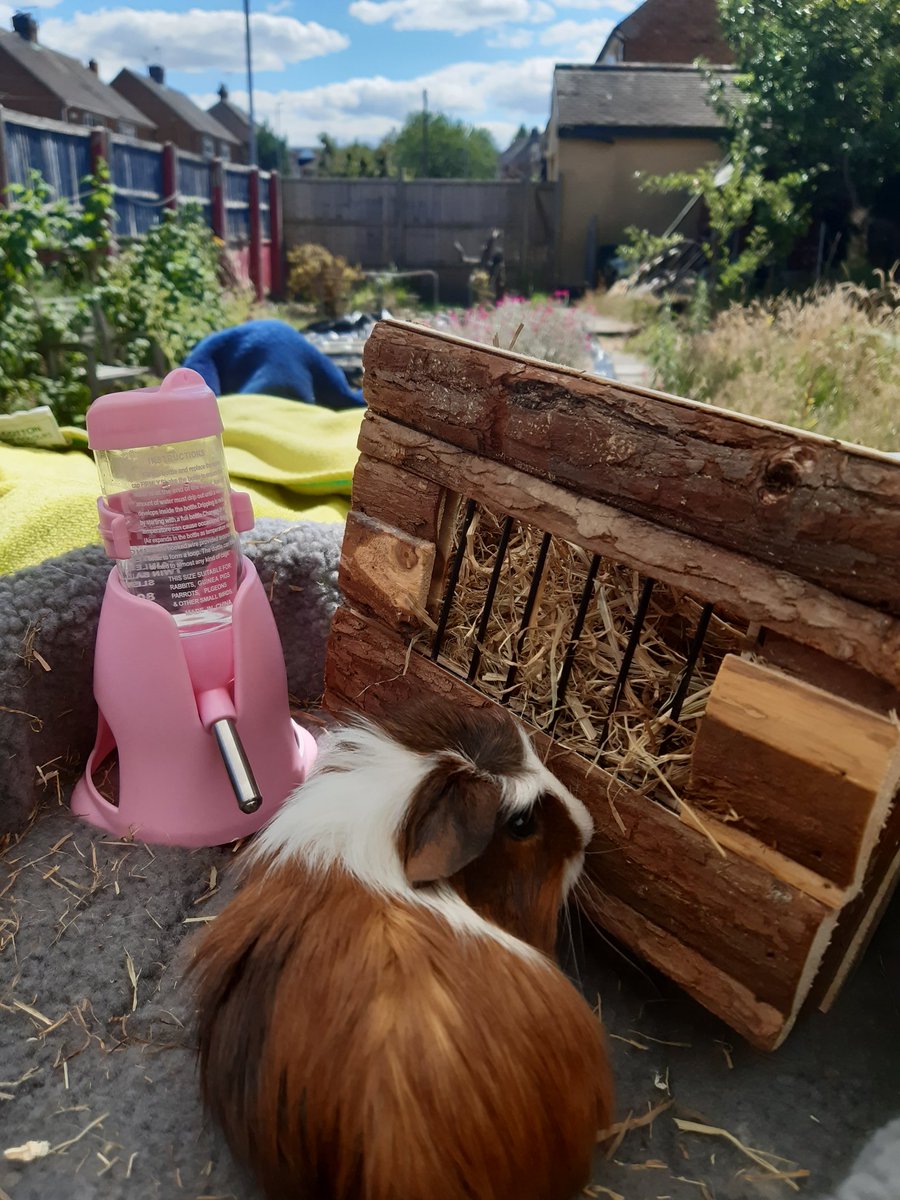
x=158 y=693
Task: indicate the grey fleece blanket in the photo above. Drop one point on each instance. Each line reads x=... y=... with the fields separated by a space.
x=96 y=1058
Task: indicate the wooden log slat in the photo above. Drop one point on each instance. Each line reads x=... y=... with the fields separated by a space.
x=386 y=571
x=754 y=928
x=826 y=512
x=806 y=772
x=857 y=922
x=761 y=1024
x=839 y=627
x=840 y=679
x=396 y=497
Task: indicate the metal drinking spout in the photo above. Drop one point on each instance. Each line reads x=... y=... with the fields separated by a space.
x=240 y=773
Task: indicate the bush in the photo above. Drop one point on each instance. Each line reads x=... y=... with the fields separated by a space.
x=321 y=278
x=827 y=361
x=164 y=290
x=52 y=262
x=59 y=289
x=550 y=331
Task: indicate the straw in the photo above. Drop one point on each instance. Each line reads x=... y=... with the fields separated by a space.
x=568 y=687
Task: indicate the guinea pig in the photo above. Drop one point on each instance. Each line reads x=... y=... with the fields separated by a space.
x=379 y=1013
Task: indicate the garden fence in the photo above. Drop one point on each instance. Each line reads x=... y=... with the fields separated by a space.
x=241 y=204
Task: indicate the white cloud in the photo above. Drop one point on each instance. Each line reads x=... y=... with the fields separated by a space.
x=450 y=16
x=497 y=95
x=578 y=41
x=619 y=6
x=194 y=40
x=510 y=39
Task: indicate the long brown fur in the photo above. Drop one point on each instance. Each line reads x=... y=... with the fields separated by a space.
x=357 y=1048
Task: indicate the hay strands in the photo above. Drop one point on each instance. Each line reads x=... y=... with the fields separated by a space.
x=760 y=1157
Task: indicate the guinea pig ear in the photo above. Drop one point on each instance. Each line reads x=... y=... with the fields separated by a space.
x=450 y=822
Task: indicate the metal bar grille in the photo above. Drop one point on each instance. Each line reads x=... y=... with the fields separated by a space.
x=585 y=605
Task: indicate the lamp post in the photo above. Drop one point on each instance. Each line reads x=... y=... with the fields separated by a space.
x=251 y=141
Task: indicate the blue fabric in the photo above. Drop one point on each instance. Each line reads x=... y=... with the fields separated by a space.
x=271 y=358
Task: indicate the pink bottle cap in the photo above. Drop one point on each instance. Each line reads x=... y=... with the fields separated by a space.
x=182 y=408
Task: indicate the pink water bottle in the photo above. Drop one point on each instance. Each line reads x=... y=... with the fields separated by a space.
x=187 y=655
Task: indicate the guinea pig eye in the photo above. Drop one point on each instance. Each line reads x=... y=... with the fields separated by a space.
x=523 y=825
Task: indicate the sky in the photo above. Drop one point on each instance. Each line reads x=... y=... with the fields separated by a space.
x=351 y=68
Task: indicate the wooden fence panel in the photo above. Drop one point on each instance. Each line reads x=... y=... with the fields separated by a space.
x=415 y=225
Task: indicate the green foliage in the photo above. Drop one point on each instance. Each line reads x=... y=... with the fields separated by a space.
x=164 y=290
x=58 y=283
x=52 y=264
x=271 y=149
x=818 y=87
x=354 y=161
x=642 y=247
x=827 y=361
x=753 y=220
x=435 y=147
x=321 y=278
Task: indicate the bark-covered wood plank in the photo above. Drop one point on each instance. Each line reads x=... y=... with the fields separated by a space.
x=846 y=680
x=806 y=772
x=397 y=497
x=824 y=511
x=762 y=1025
x=750 y=925
x=859 y=919
x=386 y=571
x=842 y=628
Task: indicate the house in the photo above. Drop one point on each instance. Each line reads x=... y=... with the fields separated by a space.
x=668 y=31
x=609 y=123
x=523 y=158
x=177 y=119
x=37 y=80
x=234 y=119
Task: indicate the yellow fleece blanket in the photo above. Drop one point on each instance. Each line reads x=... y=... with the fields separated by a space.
x=295 y=460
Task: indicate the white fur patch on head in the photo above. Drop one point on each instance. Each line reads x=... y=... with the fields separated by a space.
x=350 y=810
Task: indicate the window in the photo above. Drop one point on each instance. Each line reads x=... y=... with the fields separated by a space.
x=224 y=152
x=208 y=146
x=128 y=129
x=91 y=119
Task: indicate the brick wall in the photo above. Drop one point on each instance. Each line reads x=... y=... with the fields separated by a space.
x=675 y=31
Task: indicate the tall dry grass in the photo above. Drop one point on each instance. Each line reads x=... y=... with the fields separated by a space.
x=827 y=361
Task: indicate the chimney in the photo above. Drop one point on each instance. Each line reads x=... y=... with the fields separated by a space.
x=157 y=74
x=25 y=26
x=94 y=66
x=223 y=92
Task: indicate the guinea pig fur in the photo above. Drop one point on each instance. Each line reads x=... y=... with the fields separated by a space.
x=379 y=1014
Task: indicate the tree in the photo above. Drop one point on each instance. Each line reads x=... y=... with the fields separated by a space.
x=818 y=89
x=357 y=160
x=752 y=219
x=271 y=149
x=434 y=146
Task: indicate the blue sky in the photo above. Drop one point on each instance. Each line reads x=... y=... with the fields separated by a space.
x=353 y=68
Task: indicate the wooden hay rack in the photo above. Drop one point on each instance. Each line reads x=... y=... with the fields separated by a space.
x=745 y=571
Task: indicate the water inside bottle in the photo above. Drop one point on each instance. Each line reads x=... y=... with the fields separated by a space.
x=184 y=551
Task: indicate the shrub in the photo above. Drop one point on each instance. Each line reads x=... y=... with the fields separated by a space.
x=321 y=278
x=164 y=291
x=550 y=331
x=827 y=361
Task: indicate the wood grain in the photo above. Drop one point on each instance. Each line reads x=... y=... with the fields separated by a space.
x=386 y=571
x=826 y=512
x=409 y=502
x=806 y=772
x=847 y=631
x=747 y=924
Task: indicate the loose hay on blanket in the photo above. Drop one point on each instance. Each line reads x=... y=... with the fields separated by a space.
x=638 y=741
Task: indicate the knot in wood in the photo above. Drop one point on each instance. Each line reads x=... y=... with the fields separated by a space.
x=784 y=474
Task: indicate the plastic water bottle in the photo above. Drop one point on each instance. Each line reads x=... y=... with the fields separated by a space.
x=167 y=498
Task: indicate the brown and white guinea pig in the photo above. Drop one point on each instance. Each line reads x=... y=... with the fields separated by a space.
x=380 y=1017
